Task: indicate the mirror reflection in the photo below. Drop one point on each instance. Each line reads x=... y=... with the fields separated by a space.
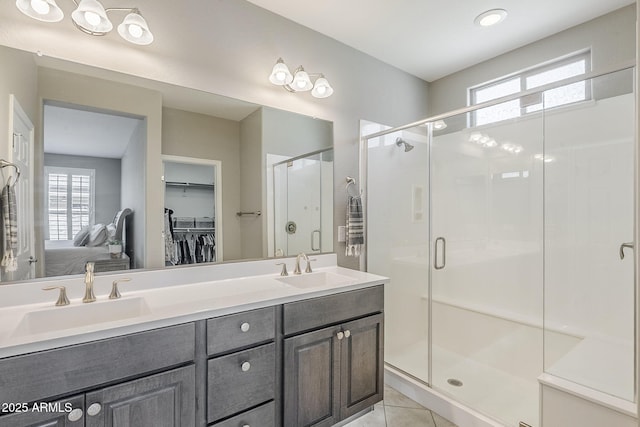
x=231 y=175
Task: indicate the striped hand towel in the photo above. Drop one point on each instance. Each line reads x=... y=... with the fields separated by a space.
x=355 y=227
x=10 y=228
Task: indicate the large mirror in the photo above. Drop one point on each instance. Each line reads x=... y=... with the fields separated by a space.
x=235 y=180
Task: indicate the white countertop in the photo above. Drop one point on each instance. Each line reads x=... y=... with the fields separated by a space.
x=25 y=328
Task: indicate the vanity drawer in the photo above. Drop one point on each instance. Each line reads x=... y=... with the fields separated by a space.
x=262 y=416
x=240 y=380
x=64 y=370
x=240 y=330
x=314 y=313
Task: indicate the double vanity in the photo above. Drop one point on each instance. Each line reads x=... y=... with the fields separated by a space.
x=231 y=345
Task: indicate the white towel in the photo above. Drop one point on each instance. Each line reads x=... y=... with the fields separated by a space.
x=355 y=227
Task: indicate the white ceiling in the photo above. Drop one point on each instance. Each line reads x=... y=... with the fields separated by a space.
x=431 y=38
x=86 y=133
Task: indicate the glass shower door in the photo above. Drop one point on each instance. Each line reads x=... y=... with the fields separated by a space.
x=302 y=189
x=397 y=243
x=486 y=263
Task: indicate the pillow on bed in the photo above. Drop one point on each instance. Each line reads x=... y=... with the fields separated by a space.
x=111 y=232
x=82 y=237
x=98 y=235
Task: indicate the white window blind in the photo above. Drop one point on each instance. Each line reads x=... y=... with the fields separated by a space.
x=530 y=79
x=70 y=200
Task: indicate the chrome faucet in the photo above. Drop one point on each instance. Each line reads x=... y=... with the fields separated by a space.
x=297 y=269
x=89 y=296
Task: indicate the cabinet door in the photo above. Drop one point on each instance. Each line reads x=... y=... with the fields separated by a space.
x=163 y=400
x=63 y=413
x=362 y=364
x=312 y=379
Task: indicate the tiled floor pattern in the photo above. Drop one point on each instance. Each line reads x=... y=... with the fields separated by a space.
x=397 y=410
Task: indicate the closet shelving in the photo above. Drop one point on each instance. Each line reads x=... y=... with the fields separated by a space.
x=186 y=185
x=194 y=236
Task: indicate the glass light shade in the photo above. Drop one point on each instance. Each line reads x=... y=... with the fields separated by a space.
x=91 y=17
x=42 y=10
x=322 y=88
x=280 y=75
x=301 y=81
x=134 y=29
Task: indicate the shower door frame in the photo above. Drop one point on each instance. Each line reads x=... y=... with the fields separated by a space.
x=363 y=164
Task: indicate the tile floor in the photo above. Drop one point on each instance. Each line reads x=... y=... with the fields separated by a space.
x=397 y=410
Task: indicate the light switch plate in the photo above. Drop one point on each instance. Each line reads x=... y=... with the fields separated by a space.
x=342 y=233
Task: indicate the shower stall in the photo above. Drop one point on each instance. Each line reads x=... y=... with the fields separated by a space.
x=509 y=248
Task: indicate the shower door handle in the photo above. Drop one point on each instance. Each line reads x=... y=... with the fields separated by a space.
x=625 y=245
x=444 y=254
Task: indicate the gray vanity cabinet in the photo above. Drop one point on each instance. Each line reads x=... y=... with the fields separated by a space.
x=333 y=372
x=58 y=417
x=311 y=362
x=115 y=381
x=161 y=400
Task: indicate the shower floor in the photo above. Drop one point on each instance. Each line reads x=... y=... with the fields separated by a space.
x=488 y=390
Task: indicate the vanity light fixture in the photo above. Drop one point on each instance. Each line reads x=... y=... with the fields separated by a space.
x=490 y=17
x=91 y=18
x=300 y=80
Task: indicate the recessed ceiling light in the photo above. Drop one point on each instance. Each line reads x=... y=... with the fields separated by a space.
x=490 y=17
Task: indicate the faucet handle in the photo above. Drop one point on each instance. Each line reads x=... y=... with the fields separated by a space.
x=62 y=297
x=308 y=269
x=115 y=293
x=284 y=271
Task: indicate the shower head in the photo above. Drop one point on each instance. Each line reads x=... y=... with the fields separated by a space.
x=400 y=142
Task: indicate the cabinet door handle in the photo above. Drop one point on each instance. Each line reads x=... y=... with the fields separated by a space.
x=340 y=335
x=245 y=366
x=75 y=415
x=94 y=409
x=347 y=333
x=245 y=327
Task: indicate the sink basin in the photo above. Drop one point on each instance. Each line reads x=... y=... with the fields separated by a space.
x=315 y=280
x=74 y=316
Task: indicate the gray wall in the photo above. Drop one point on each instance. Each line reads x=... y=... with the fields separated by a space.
x=204 y=137
x=133 y=187
x=251 y=182
x=234 y=57
x=107 y=184
x=612 y=39
x=293 y=134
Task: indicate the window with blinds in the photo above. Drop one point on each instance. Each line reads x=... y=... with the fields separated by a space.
x=70 y=199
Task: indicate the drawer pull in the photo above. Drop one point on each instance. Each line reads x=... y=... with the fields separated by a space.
x=340 y=335
x=245 y=366
x=75 y=415
x=94 y=409
x=245 y=327
x=347 y=333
